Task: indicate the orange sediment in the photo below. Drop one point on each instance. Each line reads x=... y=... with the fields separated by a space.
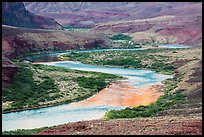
x=123 y=94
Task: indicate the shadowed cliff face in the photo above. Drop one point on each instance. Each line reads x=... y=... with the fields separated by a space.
x=15 y=14
x=9 y=69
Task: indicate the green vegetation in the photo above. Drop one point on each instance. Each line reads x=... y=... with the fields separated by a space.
x=129 y=44
x=41 y=85
x=143 y=59
x=51 y=68
x=89 y=82
x=120 y=37
x=171 y=84
x=162 y=67
x=163 y=103
x=26 y=92
x=105 y=76
x=125 y=41
x=24 y=131
x=126 y=62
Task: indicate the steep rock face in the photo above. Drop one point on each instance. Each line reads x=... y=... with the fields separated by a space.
x=9 y=69
x=15 y=14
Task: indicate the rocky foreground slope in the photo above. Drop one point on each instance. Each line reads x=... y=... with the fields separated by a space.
x=136 y=126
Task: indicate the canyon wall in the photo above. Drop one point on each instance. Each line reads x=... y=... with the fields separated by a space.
x=15 y=14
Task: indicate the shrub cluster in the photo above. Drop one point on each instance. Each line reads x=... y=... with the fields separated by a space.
x=163 y=103
x=96 y=84
x=120 y=37
x=25 y=91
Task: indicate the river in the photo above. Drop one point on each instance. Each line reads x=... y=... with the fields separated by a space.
x=61 y=114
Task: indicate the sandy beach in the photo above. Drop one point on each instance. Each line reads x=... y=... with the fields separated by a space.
x=123 y=94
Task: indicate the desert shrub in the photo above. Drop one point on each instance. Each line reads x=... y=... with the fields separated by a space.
x=91 y=83
x=50 y=68
x=126 y=62
x=120 y=37
x=24 y=131
x=164 y=103
x=25 y=91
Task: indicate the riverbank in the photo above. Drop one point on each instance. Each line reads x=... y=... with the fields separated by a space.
x=116 y=94
x=46 y=86
x=136 y=59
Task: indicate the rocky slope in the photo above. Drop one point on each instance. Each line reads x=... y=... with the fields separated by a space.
x=136 y=126
x=21 y=40
x=185 y=30
x=77 y=13
x=15 y=14
x=92 y=13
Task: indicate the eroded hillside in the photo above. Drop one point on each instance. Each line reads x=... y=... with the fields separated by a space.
x=163 y=29
x=16 y=42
